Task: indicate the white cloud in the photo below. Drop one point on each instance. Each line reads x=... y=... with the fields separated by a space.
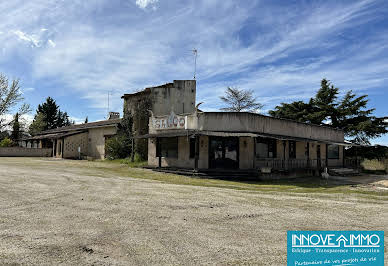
x=77 y=120
x=51 y=43
x=144 y=3
x=29 y=89
x=240 y=44
x=25 y=121
x=33 y=39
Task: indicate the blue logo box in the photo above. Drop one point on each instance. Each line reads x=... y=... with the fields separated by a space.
x=335 y=248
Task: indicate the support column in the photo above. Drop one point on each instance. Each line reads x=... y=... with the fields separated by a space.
x=196 y=153
x=158 y=153
x=343 y=156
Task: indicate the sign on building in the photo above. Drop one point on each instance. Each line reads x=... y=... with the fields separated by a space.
x=171 y=121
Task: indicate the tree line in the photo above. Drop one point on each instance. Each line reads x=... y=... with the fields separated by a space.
x=329 y=107
x=48 y=114
x=349 y=112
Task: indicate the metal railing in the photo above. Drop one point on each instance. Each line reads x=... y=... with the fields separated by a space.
x=291 y=164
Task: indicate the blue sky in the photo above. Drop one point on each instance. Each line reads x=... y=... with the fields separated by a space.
x=76 y=51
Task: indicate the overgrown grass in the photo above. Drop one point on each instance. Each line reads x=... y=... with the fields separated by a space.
x=305 y=185
x=313 y=186
x=127 y=161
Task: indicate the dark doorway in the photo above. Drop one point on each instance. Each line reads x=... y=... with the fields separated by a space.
x=319 y=156
x=223 y=153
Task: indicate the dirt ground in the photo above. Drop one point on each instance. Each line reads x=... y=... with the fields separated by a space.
x=61 y=212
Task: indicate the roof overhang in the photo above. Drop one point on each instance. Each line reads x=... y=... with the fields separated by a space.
x=190 y=133
x=54 y=135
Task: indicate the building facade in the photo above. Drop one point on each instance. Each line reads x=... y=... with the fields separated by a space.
x=76 y=141
x=159 y=100
x=241 y=141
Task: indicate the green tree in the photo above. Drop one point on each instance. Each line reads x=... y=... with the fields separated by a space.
x=350 y=113
x=49 y=116
x=240 y=101
x=38 y=124
x=6 y=142
x=50 y=110
x=15 y=135
x=62 y=119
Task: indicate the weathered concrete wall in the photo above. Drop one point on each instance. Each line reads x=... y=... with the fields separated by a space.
x=24 y=152
x=183 y=160
x=247 y=122
x=58 y=149
x=96 y=141
x=178 y=96
x=246 y=153
x=73 y=142
x=152 y=159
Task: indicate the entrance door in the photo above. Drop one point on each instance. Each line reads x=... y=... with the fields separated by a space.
x=223 y=153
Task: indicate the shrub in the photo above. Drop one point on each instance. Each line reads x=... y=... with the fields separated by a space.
x=6 y=142
x=118 y=147
x=374 y=165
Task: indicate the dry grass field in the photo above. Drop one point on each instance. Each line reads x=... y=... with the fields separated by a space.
x=62 y=212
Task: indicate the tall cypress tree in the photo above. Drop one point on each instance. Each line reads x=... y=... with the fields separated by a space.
x=15 y=135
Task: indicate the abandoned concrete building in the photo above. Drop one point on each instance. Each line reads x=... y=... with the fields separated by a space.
x=178 y=96
x=180 y=136
x=76 y=141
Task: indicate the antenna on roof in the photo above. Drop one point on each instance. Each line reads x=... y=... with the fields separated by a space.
x=108 y=105
x=195 y=52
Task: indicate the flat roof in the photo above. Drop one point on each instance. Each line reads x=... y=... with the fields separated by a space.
x=273 y=117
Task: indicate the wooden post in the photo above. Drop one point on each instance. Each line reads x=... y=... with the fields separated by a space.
x=327 y=156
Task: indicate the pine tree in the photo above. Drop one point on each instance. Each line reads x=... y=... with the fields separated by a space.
x=49 y=116
x=240 y=101
x=50 y=111
x=38 y=124
x=349 y=113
